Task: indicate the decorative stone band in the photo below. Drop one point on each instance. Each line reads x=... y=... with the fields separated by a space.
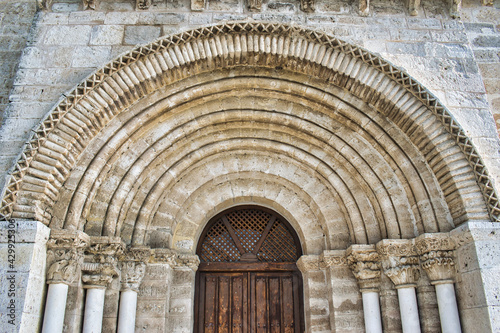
x=333 y=258
x=399 y=261
x=65 y=250
x=308 y=263
x=166 y=256
x=364 y=262
x=436 y=255
x=190 y=261
x=204 y=49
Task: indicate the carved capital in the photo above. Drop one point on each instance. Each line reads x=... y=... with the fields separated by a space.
x=399 y=261
x=309 y=263
x=307 y=6
x=100 y=264
x=436 y=255
x=187 y=261
x=364 y=262
x=136 y=253
x=132 y=275
x=142 y=4
x=65 y=255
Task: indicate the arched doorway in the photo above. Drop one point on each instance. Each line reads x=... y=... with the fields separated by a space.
x=248 y=279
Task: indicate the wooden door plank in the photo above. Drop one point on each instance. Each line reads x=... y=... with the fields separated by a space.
x=261 y=305
x=237 y=304
x=288 y=304
x=274 y=305
x=223 y=305
x=210 y=299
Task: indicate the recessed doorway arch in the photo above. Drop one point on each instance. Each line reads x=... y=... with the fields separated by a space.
x=248 y=280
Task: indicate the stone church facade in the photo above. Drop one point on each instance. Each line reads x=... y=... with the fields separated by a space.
x=250 y=166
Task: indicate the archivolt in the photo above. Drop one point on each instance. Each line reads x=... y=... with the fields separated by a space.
x=156 y=69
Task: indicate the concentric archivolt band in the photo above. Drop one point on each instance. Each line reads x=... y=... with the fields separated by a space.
x=56 y=143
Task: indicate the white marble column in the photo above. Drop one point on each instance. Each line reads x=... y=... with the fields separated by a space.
x=401 y=264
x=55 y=308
x=133 y=268
x=65 y=255
x=94 y=310
x=436 y=256
x=364 y=263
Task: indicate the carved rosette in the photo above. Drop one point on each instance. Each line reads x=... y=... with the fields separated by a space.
x=399 y=261
x=308 y=263
x=307 y=6
x=190 y=261
x=198 y=5
x=142 y=4
x=100 y=266
x=364 y=262
x=436 y=255
x=255 y=5
x=65 y=250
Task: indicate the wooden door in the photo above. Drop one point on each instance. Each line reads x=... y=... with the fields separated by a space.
x=247 y=280
x=242 y=302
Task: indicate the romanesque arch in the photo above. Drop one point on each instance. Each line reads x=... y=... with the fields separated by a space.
x=349 y=149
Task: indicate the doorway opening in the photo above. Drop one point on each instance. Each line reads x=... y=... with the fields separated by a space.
x=248 y=280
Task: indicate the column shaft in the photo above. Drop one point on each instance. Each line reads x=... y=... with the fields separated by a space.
x=409 y=310
x=448 y=310
x=55 y=308
x=128 y=308
x=371 y=310
x=94 y=310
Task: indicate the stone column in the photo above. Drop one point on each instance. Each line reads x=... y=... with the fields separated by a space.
x=364 y=263
x=65 y=253
x=401 y=264
x=98 y=272
x=184 y=274
x=317 y=308
x=436 y=256
x=133 y=267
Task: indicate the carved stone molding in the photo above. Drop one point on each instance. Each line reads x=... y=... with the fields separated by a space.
x=166 y=256
x=364 y=7
x=309 y=263
x=101 y=259
x=436 y=256
x=198 y=5
x=44 y=4
x=90 y=4
x=307 y=6
x=142 y=4
x=255 y=5
x=190 y=261
x=65 y=255
x=132 y=275
x=333 y=258
x=364 y=262
x=414 y=7
x=36 y=201
x=399 y=261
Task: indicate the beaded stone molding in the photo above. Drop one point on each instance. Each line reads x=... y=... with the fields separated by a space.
x=86 y=109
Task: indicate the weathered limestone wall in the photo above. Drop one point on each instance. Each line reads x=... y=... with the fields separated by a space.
x=455 y=59
x=16 y=18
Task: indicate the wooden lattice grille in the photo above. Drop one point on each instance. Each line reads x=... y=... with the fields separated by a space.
x=248 y=235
